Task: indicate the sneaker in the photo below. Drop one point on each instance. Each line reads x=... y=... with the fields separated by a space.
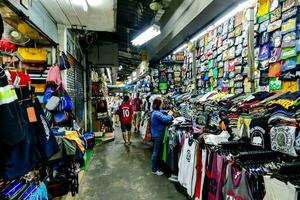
x=173 y=179
x=158 y=173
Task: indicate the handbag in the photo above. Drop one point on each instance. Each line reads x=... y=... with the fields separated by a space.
x=65 y=103
x=61 y=118
x=47 y=94
x=52 y=103
x=32 y=55
x=7 y=46
x=63 y=62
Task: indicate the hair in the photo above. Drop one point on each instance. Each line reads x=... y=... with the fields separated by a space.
x=157 y=102
x=126 y=98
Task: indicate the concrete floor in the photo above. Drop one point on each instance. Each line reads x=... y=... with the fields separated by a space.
x=118 y=172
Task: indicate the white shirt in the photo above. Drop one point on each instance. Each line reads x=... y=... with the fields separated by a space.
x=278 y=190
x=186 y=167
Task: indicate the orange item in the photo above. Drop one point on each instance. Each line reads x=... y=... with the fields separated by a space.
x=289 y=86
x=31 y=114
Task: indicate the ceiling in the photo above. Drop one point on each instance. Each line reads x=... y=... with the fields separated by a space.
x=133 y=16
x=99 y=17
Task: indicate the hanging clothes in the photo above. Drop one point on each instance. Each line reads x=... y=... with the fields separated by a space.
x=187 y=166
x=277 y=190
x=236 y=186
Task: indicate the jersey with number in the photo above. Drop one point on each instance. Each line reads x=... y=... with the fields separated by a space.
x=125 y=113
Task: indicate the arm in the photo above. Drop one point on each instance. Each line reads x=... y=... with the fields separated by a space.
x=164 y=118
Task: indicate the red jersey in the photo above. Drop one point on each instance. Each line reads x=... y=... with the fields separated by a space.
x=125 y=113
x=137 y=104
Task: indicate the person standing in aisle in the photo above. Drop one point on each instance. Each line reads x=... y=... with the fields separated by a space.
x=116 y=106
x=137 y=109
x=125 y=114
x=159 y=121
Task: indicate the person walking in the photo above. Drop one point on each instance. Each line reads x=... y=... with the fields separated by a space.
x=137 y=109
x=125 y=114
x=159 y=121
x=116 y=105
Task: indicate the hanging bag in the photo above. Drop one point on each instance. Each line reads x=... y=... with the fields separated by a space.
x=61 y=118
x=65 y=103
x=53 y=103
x=63 y=62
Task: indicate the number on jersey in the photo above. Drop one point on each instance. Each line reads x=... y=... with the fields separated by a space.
x=126 y=113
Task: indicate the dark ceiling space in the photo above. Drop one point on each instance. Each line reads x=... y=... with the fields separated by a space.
x=133 y=16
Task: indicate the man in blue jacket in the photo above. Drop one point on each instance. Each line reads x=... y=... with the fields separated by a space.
x=159 y=120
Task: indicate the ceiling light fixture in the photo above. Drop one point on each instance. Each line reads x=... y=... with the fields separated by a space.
x=180 y=49
x=109 y=74
x=226 y=17
x=147 y=35
x=84 y=5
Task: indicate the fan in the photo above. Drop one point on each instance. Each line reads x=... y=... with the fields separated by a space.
x=14 y=35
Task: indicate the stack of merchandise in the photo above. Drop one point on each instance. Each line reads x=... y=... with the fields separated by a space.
x=277 y=45
x=217 y=159
x=187 y=70
x=221 y=57
x=64 y=165
x=167 y=77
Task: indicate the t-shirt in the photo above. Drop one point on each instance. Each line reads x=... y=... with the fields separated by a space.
x=283 y=139
x=236 y=187
x=125 y=113
x=173 y=152
x=259 y=133
x=217 y=178
x=187 y=166
x=277 y=190
x=137 y=104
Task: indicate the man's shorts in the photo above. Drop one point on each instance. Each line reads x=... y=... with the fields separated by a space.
x=125 y=128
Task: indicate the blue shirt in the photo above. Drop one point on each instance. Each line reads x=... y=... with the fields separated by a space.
x=159 y=122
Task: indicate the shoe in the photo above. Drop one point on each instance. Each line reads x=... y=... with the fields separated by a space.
x=158 y=173
x=173 y=179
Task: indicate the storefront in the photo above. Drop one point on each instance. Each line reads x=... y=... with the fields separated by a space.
x=208 y=93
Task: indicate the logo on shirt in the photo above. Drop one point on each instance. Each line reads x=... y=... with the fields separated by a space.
x=188 y=156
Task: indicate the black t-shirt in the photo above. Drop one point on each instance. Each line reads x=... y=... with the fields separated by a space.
x=259 y=133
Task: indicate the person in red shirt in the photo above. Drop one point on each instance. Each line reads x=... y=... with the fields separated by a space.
x=137 y=109
x=125 y=113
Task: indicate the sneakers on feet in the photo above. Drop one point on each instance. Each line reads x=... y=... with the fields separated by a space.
x=173 y=179
x=158 y=173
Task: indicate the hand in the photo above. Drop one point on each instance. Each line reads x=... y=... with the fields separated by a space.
x=170 y=113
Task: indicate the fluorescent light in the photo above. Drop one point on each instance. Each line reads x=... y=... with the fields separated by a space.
x=226 y=17
x=179 y=49
x=147 y=35
x=84 y=5
x=95 y=3
x=109 y=74
x=81 y=3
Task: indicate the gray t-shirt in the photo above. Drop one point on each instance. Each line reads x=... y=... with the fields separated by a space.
x=236 y=186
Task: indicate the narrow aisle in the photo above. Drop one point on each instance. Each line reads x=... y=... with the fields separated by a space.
x=119 y=172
